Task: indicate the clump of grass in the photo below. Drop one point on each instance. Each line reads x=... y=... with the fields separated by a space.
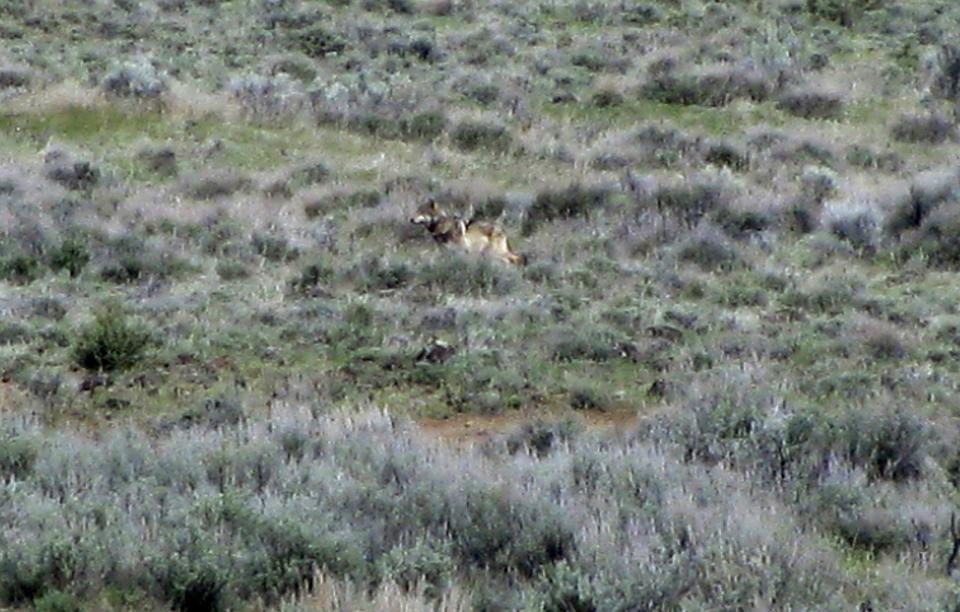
x=930 y=128
x=576 y=200
x=472 y=135
x=112 y=341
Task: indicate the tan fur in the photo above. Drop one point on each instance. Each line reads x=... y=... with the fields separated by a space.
x=478 y=237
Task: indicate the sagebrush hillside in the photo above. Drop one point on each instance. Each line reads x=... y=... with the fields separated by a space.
x=741 y=223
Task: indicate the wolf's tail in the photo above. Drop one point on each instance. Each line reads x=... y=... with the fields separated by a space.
x=518 y=259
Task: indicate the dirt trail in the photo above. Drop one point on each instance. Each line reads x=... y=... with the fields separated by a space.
x=470 y=429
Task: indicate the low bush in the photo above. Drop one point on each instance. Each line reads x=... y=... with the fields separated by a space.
x=938 y=238
x=11 y=78
x=315 y=277
x=584 y=342
x=14 y=333
x=817 y=183
x=811 y=104
x=465 y=275
x=888 y=443
x=378 y=274
x=308 y=175
x=576 y=200
x=477 y=135
x=843 y=12
x=112 y=341
x=18 y=453
x=859 y=228
x=425 y=125
x=273 y=247
x=710 y=250
x=73 y=174
x=691 y=201
x=923 y=197
x=213 y=185
x=20 y=269
x=139 y=79
x=727 y=155
x=318 y=42
x=716 y=87
x=541 y=437
x=72 y=255
x=232 y=270
x=419 y=565
x=931 y=129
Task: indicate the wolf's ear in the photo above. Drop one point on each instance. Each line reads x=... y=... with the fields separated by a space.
x=432 y=204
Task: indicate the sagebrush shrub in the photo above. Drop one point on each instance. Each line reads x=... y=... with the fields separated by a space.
x=811 y=104
x=267 y=97
x=860 y=228
x=317 y=41
x=137 y=79
x=466 y=276
x=923 y=197
x=938 y=238
x=21 y=269
x=476 y=135
x=17 y=456
x=576 y=200
x=925 y=129
x=72 y=255
x=112 y=341
x=716 y=87
x=542 y=437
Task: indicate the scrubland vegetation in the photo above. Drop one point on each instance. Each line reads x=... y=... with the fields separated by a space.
x=220 y=333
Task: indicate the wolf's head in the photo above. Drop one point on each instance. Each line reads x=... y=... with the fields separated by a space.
x=428 y=214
